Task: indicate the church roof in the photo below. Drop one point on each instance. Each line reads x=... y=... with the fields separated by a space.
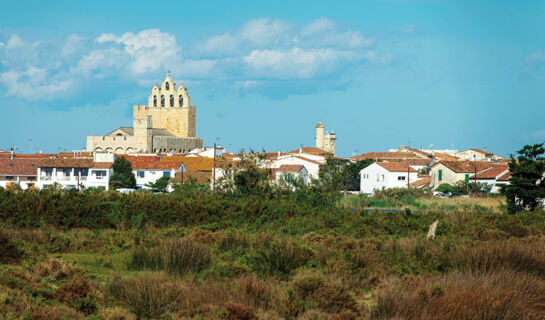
x=127 y=130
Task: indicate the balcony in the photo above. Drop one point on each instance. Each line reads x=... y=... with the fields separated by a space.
x=45 y=178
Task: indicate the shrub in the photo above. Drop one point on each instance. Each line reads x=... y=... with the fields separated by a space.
x=176 y=257
x=9 y=253
x=445 y=187
x=145 y=296
x=499 y=295
x=279 y=256
x=319 y=293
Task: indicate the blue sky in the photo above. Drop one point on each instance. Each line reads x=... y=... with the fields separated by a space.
x=455 y=74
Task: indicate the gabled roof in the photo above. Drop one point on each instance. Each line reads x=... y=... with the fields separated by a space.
x=290 y=168
x=466 y=166
x=139 y=162
x=128 y=130
x=504 y=177
x=422 y=182
x=201 y=177
x=444 y=156
x=396 y=166
x=490 y=173
x=65 y=163
x=412 y=162
x=18 y=167
x=479 y=151
x=310 y=161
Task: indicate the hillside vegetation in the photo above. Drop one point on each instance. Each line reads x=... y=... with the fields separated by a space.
x=266 y=253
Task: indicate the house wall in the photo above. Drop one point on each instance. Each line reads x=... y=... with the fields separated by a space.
x=375 y=177
x=448 y=176
x=24 y=181
x=71 y=181
x=150 y=176
x=312 y=168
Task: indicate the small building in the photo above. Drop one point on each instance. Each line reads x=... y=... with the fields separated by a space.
x=451 y=172
x=153 y=171
x=296 y=171
x=16 y=171
x=386 y=175
x=311 y=166
x=491 y=177
x=478 y=155
x=74 y=173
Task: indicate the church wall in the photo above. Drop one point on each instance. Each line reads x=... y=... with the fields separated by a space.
x=175 y=144
x=110 y=144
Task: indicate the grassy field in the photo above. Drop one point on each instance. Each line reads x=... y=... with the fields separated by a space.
x=306 y=260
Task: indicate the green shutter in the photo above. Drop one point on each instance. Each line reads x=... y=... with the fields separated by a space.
x=440 y=175
x=467 y=177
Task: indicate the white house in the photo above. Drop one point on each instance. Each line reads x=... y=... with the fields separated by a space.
x=451 y=172
x=477 y=155
x=74 y=173
x=491 y=177
x=312 y=166
x=18 y=171
x=293 y=170
x=386 y=175
x=150 y=172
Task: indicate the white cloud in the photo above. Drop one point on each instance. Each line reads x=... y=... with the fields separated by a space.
x=259 y=51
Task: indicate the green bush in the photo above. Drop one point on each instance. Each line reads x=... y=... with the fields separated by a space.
x=445 y=187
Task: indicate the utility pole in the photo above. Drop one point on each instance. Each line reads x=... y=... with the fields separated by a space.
x=408 y=175
x=214 y=170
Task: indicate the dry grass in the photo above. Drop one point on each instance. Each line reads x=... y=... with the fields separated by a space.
x=488 y=296
x=460 y=202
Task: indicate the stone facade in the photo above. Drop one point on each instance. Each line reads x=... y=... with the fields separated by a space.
x=165 y=124
x=325 y=141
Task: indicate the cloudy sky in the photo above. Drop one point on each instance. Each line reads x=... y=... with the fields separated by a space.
x=454 y=74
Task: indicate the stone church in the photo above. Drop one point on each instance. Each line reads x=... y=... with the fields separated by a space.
x=165 y=124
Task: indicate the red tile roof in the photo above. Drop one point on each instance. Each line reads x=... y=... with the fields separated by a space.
x=421 y=182
x=396 y=166
x=491 y=173
x=412 y=162
x=65 y=163
x=480 y=151
x=308 y=160
x=505 y=177
x=102 y=165
x=140 y=162
x=194 y=164
x=467 y=166
x=201 y=177
x=18 y=167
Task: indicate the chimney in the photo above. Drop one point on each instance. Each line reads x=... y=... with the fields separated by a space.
x=278 y=153
x=301 y=150
x=485 y=149
x=12 y=154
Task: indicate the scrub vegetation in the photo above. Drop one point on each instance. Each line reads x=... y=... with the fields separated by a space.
x=265 y=252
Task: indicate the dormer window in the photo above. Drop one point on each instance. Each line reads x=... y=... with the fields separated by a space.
x=172 y=100
x=167 y=86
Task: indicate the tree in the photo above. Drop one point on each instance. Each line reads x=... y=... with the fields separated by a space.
x=123 y=176
x=332 y=178
x=526 y=186
x=160 y=185
x=353 y=170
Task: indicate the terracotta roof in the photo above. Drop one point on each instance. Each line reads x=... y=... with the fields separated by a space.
x=312 y=150
x=30 y=156
x=140 y=162
x=201 y=176
x=65 y=163
x=193 y=164
x=491 y=173
x=386 y=155
x=467 y=166
x=18 y=167
x=396 y=166
x=505 y=177
x=289 y=168
x=412 y=162
x=420 y=153
x=444 y=156
x=79 y=154
x=102 y=165
x=421 y=182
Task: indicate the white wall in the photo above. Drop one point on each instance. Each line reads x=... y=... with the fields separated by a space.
x=92 y=180
x=375 y=177
x=150 y=175
x=312 y=168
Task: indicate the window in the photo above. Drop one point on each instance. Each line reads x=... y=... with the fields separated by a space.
x=141 y=174
x=162 y=100
x=171 y=100
x=166 y=173
x=167 y=86
x=100 y=174
x=181 y=98
x=155 y=101
x=401 y=178
x=440 y=175
x=9 y=178
x=84 y=172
